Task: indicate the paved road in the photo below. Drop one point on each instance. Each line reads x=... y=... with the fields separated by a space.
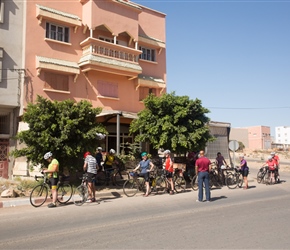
x=235 y=219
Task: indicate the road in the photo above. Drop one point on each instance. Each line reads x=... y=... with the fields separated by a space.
x=257 y=218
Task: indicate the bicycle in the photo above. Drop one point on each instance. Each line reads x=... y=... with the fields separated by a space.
x=214 y=179
x=81 y=192
x=137 y=183
x=262 y=175
x=234 y=179
x=179 y=180
x=117 y=176
x=39 y=193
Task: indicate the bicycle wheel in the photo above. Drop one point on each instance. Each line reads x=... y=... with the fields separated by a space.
x=130 y=187
x=240 y=181
x=260 y=176
x=80 y=195
x=64 y=192
x=160 y=185
x=232 y=181
x=100 y=179
x=194 y=183
x=120 y=177
x=179 y=184
x=38 y=195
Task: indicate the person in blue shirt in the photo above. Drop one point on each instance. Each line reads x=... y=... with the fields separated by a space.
x=145 y=167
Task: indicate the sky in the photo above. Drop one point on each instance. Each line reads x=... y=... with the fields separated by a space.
x=232 y=55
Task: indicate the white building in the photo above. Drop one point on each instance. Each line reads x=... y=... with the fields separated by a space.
x=282 y=136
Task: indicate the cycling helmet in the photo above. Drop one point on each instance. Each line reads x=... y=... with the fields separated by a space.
x=99 y=148
x=273 y=153
x=112 y=151
x=167 y=152
x=47 y=155
x=242 y=156
x=86 y=154
x=270 y=157
x=143 y=154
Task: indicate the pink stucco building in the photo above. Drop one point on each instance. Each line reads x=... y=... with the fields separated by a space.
x=111 y=53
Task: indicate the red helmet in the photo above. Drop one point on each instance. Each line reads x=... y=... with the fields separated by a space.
x=86 y=154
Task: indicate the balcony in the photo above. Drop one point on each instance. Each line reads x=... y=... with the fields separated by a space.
x=108 y=57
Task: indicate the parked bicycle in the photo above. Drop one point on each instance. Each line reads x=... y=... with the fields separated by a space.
x=179 y=180
x=262 y=175
x=116 y=175
x=136 y=183
x=81 y=192
x=215 y=179
x=234 y=179
x=39 y=193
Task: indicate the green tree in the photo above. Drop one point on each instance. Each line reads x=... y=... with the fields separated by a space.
x=66 y=128
x=172 y=122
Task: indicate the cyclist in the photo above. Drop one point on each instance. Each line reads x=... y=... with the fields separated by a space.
x=277 y=161
x=99 y=157
x=90 y=167
x=52 y=175
x=244 y=170
x=220 y=161
x=146 y=166
x=108 y=164
x=168 y=164
x=271 y=163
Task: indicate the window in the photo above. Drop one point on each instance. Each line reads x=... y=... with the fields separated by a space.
x=4 y=124
x=106 y=39
x=108 y=89
x=145 y=91
x=56 y=81
x=57 y=32
x=147 y=54
x=1 y=11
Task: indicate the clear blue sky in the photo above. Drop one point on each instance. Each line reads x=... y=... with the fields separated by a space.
x=232 y=55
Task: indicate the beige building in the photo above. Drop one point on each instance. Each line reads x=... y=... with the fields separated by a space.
x=256 y=137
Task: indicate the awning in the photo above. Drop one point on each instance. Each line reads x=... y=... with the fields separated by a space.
x=125 y=114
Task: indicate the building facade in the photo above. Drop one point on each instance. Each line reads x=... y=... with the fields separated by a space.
x=11 y=78
x=111 y=53
x=282 y=137
x=256 y=137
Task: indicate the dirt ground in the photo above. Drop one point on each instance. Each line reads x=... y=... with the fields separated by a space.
x=256 y=158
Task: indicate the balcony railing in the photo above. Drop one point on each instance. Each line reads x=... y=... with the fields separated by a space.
x=102 y=48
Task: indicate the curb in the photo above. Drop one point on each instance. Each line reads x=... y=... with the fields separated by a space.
x=15 y=202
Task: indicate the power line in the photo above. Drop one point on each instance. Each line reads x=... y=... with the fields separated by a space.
x=249 y=108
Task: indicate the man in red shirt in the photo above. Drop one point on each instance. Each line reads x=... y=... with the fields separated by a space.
x=202 y=168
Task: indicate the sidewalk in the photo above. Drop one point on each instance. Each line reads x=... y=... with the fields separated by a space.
x=110 y=192
x=23 y=201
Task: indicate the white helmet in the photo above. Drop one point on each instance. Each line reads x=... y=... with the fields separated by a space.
x=112 y=151
x=99 y=148
x=167 y=152
x=270 y=157
x=273 y=153
x=47 y=155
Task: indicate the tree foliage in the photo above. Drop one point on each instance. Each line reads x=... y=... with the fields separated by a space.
x=66 y=128
x=172 y=122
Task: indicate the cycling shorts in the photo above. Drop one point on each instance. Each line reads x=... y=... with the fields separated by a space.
x=145 y=176
x=245 y=173
x=168 y=174
x=91 y=177
x=53 y=183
